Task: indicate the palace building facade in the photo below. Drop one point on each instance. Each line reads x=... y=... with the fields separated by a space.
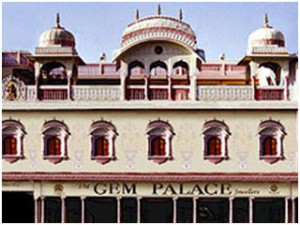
x=157 y=135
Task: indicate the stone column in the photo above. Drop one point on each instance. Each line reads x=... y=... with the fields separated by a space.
x=193 y=88
x=293 y=210
x=63 y=211
x=286 y=88
x=118 y=209
x=42 y=209
x=175 y=209
x=231 y=209
x=36 y=79
x=69 y=92
x=251 y=209
x=194 y=210
x=37 y=211
x=123 y=87
x=169 y=87
x=286 y=206
x=139 y=219
x=146 y=87
x=253 y=79
x=82 y=208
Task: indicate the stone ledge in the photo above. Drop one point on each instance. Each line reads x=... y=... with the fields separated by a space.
x=148 y=105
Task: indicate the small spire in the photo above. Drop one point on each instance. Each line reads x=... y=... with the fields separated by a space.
x=57 y=20
x=266 y=20
x=158 y=10
x=137 y=15
x=180 y=14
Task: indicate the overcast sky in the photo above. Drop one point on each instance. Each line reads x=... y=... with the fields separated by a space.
x=98 y=27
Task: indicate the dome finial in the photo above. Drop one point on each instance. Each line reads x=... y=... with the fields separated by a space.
x=266 y=20
x=158 y=10
x=57 y=20
x=137 y=15
x=180 y=15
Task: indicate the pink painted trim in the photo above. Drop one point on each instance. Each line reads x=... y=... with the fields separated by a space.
x=104 y=176
x=154 y=29
x=270 y=42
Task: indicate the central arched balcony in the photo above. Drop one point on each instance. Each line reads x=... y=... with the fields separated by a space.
x=53 y=82
x=159 y=84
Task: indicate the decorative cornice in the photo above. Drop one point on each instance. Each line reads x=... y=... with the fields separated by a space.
x=102 y=176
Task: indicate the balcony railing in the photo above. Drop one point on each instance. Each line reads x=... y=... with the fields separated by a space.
x=158 y=94
x=135 y=94
x=269 y=93
x=53 y=94
x=113 y=93
x=225 y=93
x=96 y=93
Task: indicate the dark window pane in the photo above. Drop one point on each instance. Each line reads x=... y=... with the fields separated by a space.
x=128 y=210
x=268 y=210
x=100 y=210
x=241 y=210
x=52 y=210
x=17 y=207
x=73 y=210
x=211 y=210
x=184 y=210
x=157 y=210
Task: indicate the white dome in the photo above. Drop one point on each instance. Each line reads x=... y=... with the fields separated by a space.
x=265 y=36
x=57 y=36
x=159 y=27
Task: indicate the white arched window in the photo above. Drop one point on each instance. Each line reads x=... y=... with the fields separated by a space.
x=160 y=134
x=103 y=135
x=55 y=136
x=271 y=135
x=13 y=133
x=158 y=68
x=136 y=68
x=215 y=134
x=181 y=68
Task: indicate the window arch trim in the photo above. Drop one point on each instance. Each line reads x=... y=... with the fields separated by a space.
x=216 y=130
x=271 y=129
x=59 y=130
x=13 y=129
x=163 y=131
x=103 y=130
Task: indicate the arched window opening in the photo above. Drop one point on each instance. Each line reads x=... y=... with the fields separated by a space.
x=55 y=135
x=103 y=136
x=53 y=73
x=13 y=133
x=136 y=68
x=160 y=134
x=158 y=68
x=216 y=134
x=181 y=68
x=269 y=74
x=271 y=138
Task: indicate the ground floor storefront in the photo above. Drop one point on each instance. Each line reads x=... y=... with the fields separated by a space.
x=149 y=202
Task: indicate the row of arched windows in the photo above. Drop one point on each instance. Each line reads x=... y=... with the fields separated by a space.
x=160 y=134
x=158 y=68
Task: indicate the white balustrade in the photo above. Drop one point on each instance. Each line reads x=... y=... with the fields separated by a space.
x=96 y=93
x=225 y=93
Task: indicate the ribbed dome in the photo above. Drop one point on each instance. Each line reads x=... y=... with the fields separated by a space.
x=57 y=36
x=266 y=35
x=159 y=27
